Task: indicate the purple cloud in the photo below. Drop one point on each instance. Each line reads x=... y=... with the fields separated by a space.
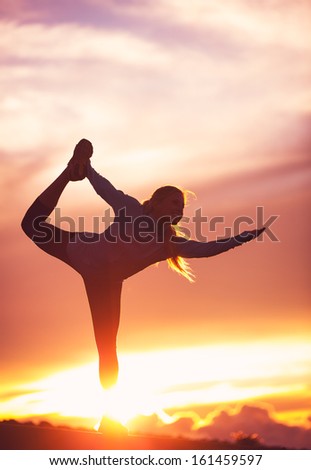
x=159 y=24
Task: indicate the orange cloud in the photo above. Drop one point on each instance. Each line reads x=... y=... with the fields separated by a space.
x=226 y=425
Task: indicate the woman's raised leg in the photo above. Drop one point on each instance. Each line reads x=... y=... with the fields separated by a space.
x=46 y=236
x=49 y=238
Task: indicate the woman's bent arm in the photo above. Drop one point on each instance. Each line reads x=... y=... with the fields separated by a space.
x=114 y=197
x=194 y=249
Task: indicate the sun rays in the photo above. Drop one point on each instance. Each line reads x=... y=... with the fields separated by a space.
x=153 y=382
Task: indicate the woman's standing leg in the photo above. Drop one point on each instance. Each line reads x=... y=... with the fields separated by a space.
x=105 y=301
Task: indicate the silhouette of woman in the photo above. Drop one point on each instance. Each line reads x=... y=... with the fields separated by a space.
x=140 y=235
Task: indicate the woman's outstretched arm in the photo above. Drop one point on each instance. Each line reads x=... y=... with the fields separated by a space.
x=194 y=249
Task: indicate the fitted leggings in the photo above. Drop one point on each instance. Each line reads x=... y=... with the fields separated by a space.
x=103 y=293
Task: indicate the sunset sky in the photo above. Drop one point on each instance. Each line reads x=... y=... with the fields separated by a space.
x=211 y=96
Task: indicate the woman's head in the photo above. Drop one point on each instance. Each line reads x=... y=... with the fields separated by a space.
x=167 y=201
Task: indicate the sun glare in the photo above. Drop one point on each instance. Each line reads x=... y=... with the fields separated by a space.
x=152 y=382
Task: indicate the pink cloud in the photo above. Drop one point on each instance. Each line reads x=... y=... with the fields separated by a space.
x=227 y=426
x=253 y=420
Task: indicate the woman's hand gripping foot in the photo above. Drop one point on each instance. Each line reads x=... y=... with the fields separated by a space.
x=77 y=165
